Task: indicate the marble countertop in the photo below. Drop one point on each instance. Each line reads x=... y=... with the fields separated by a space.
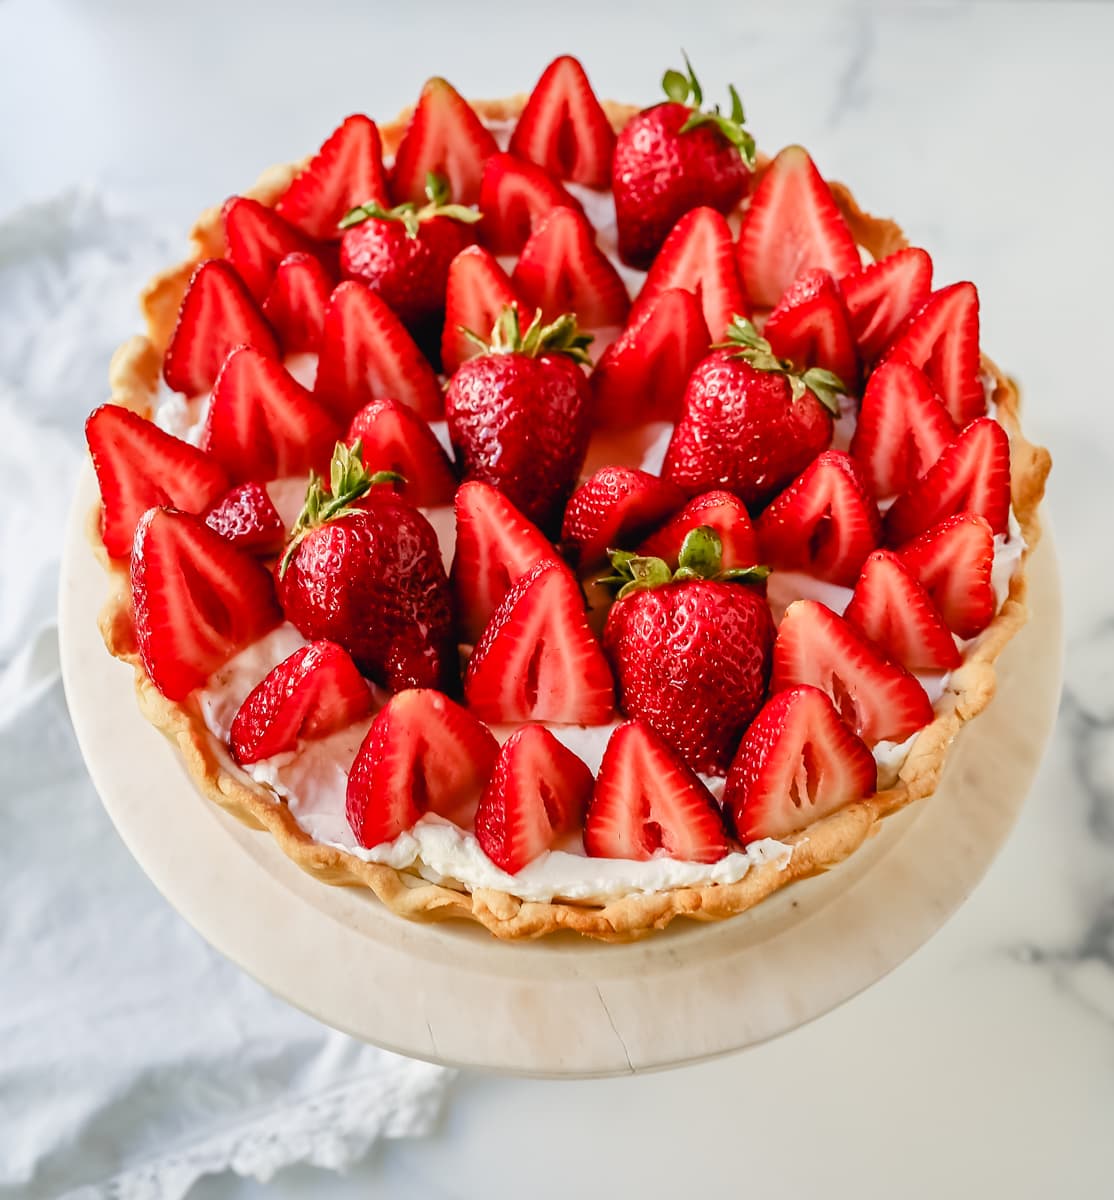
x=985 y=1064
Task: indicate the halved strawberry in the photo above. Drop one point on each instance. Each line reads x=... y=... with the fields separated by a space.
x=477 y=291
x=217 y=314
x=882 y=294
x=446 y=137
x=798 y=762
x=515 y=196
x=614 y=509
x=538 y=791
x=971 y=475
x=296 y=300
x=423 y=753
x=314 y=692
x=878 y=699
x=139 y=466
x=256 y=240
x=809 y=327
x=197 y=600
x=825 y=522
x=563 y=127
x=345 y=172
x=537 y=660
x=248 y=519
x=722 y=512
x=561 y=270
x=648 y=804
x=395 y=438
x=953 y=562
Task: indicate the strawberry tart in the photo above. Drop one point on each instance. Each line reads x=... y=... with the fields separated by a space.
x=560 y=515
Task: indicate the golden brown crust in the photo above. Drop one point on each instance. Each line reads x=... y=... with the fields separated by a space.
x=134 y=374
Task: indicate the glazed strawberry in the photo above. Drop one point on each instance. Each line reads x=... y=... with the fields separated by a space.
x=217 y=314
x=561 y=269
x=726 y=515
x=792 y=225
x=519 y=414
x=477 y=291
x=825 y=523
x=296 y=300
x=256 y=240
x=197 y=600
x=363 y=569
x=423 y=753
x=797 y=763
x=537 y=660
x=881 y=295
x=394 y=438
x=314 y=692
x=809 y=326
x=515 y=196
x=877 y=699
x=615 y=508
x=246 y=517
x=647 y=803
x=750 y=423
x=563 y=127
x=444 y=136
x=538 y=791
x=690 y=648
x=674 y=157
x=953 y=562
x=346 y=171
x=262 y=424
x=140 y=466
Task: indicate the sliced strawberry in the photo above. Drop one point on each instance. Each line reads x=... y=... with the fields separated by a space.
x=423 y=753
x=953 y=562
x=515 y=196
x=538 y=792
x=446 y=137
x=971 y=475
x=563 y=127
x=248 y=519
x=721 y=511
x=798 y=762
x=395 y=438
x=197 y=600
x=561 y=269
x=792 y=225
x=345 y=172
x=257 y=239
x=809 y=327
x=614 y=509
x=217 y=314
x=537 y=660
x=139 y=466
x=877 y=699
x=314 y=692
x=478 y=290
x=296 y=300
x=824 y=523
x=648 y=804
x=881 y=295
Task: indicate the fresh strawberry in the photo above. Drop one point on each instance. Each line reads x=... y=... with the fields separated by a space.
x=314 y=692
x=140 y=466
x=538 y=791
x=477 y=291
x=825 y=523
x=561 y=269
x=797 y=763
x=877 y=699
x=346 y=171
x=537 y=660
x=446 y=137
x=217 y=314
x=674 y=157
x=615 y=508
x=809 y=327
x=197 y=600
x=726 y=515
x=256 y=240
x=942 y=338
x=690 y=648
x=563 y=127
x=792 y=225
x=515 y=196
x=902 y=428
x=246 y=517
x=971 y=475
x=296 y=300
x=363 y=569
x=750 y=423
x=648 y=804
x=881 y=295
x=953 y=562
x=394 y=438
x=422 y=754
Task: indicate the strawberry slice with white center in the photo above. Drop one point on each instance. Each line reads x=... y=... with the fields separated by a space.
x=877 y=699
x=721 y=512
x=614 y=508
x=797 y=763
x=515 y=196
x=394 y=438
x=139 y=466
x=478 y=290
x=296 y=300
x=792 y=225
x=248 y=519
x=648 y=804
x=882 y=295
x=537 y=660
x=809 y=327
x=197 y=600
x=423 y=753
x=314 y=692
x=953 y=562
x=538 y=792
x=257 y=239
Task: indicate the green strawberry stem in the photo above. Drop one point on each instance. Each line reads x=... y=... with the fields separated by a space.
x=752 y=347
x=701 y=557
x=436 y=188
x=683 y=89
x=558 y=337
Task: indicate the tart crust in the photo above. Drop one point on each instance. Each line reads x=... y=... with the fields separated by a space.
x=133 y=377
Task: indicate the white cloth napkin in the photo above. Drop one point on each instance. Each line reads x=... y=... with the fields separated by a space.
x=133 y=1059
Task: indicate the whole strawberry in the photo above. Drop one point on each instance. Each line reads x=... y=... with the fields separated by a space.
x=690 y=649
x=363 y=569
x=750 y=422
x=674 y=157
x=519 y=414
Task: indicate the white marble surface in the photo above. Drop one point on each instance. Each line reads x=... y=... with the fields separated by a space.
x=985 y=1065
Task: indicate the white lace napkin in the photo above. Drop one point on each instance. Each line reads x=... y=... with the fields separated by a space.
x=133 y=1059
